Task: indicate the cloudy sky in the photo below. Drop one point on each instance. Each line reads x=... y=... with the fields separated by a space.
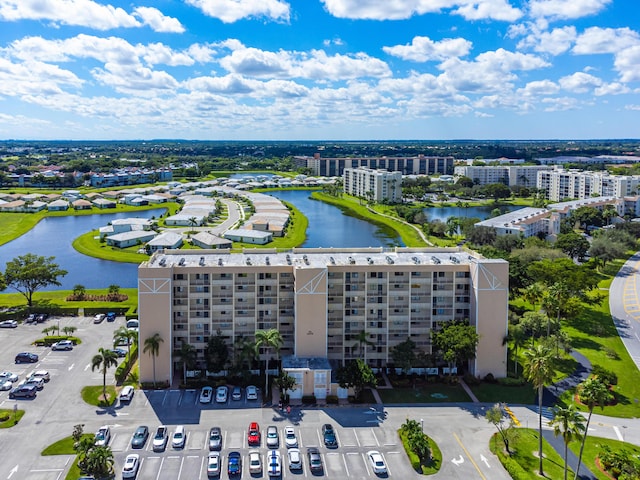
x=319 y=69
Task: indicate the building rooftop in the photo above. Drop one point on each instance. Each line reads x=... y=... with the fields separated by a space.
x=316 y=257
x=512 y=218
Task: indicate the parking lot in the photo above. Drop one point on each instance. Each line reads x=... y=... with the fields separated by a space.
x=59 y=406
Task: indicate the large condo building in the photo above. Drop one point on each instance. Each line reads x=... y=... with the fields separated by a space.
x=562 y=185
x=379 y=185
x=511 y=175
x=420 y=165
x=321 y=300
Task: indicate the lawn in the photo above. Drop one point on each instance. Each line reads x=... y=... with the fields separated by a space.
x=494 y=392
x=64 y=446
x=432 y=393
x=89 y=244
x=59 y=298
x=592 y=449
x=9 y=417
x=93 y=395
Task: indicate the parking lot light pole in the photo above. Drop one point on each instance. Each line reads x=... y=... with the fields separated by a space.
x=422 y=425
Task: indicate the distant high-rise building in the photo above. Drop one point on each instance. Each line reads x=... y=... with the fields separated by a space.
x=420 y=165
x=376 y=185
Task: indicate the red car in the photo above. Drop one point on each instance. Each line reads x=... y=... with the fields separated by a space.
x=254 y=434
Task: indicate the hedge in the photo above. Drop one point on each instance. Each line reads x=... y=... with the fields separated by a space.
x=51 y=339
x=125 y=367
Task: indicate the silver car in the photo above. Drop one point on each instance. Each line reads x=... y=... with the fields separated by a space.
x=273 y=439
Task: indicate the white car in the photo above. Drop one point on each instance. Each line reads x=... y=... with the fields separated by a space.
x=131 y=465
x=12 y=377
x=295 y=459
x=290 y=439
x=274 y=466
x=99 y=317
x=206 y=394
x=160 y=439
x=103 y=435
x=255 y=463
x=377 y=462
x=126 y=394
x=43 y=374
x=251 y=393
x=6 y=384
x=221 y=394
x=213 y=464
x=62 y=345
x=9 y=324
x=179 y=437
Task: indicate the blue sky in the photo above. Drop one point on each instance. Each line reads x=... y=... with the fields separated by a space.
x=319 y=69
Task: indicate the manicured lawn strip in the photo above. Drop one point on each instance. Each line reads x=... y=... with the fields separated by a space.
x=592 y=449
x=64 y=446
x=74 y=471
x=59 y=298
x=90 y=245
x=13 y=417
x=488 y=392
x=594 y=335
x=434 y=464
x=443 y=394
x=523 y=462
x=351 y=206
x=92 y=394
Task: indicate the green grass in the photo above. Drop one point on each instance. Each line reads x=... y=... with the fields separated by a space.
x=488 y=392
x=89 y=244
x=434 y=393
x=434 y=464
x=59 y=298
x=12 y=418
x=74 y=471
x=592 y=449
x=64 y=446
x=523 y=463
x=93 y=395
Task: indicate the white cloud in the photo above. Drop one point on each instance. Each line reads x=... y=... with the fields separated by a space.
x=627 y=63
x=540 y=87
x=229 y=11
x=555 y=42
x=580 y=82
x=134 y=79
x=423 y=49
x=614 y=88
x=86 y=13
x=403 y=9
x=34 y=77
x=560 y=104
x=565 y=9
x=157 y=21
x=605 y=40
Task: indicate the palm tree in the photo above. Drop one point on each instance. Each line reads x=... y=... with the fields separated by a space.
x=592 y=392
x=99 y=461
x=79 y=291
x=363 y=343
x=152 y=347
x=569 y=423
x=123 y=334
x=268 y=339
x=69 y=330
x=103 y=360
x=518 y=337
x=538 y=369
x=188 y=355
x=534 y=293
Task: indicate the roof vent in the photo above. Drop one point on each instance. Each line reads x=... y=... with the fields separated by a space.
x=389 y=260
x=416 y=260
x=288 y=259
x=163 y=262
x=248 y=261
x=220 y=262
x=352 y=261
x=181 y=262
x=201 y=261
x=306 y=259
x=267 y=261
x=454 y=259
x=435 y=260
x=370 y=260
x=332 y=260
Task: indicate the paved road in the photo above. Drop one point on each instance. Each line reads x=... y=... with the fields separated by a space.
x=624 y=304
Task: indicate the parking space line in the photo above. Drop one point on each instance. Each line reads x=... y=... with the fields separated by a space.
x=375 y=438
x=160 y=469
x=164 y=398
x=355 y=434
x=387 y=464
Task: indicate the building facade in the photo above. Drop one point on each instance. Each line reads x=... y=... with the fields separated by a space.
x=420 y=165
x=320 y=300
x=511 y=175
x=378 y=185
x=560 y=185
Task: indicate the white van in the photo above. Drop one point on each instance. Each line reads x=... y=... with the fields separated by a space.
x=126 y=394
x=133 y=324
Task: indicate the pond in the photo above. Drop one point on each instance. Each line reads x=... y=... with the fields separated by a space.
x=443 y=213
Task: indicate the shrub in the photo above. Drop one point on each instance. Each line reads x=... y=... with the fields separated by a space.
x=332 y=399
x=470 y=379
x=309 y=399
x=123 y=369
x=511 y=382
x=489 y=378
x=607 y=376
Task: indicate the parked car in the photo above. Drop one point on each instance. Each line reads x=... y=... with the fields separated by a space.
x=120 y=352
x=23 y=391
x=6 y=385
x=42 y=317
x=31 y=318
x=26 y=357
x=251 y=392
x=111 y=317
x=290 y=439
x=62 y=345
x=160 y=439
x=140 y=436
x=236 y=393
x=213 y=464
x=9 y=324
x=103 y=435
x=329 y=435
x=315 y=460
x=131 y=465
x=255 y=462
x=126 y=394
x=234 y=464
x=35 y=381
x=274 y=464
x=43 y=374
x=133 y=324
x=179 y=437
x=273 y=439
x=295 y=459
x=98 y=318
x=206 y=394
x=12 y=377
x=253 y=436
x=215 y=439
x=377 y=462
x=221 y=394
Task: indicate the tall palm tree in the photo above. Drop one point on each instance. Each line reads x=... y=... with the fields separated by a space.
x=102 y=361
x=518 y=337
x=534 y=293
x=188 y=355
x=152 y=347
x=569 y=423
x=539 y=370
x=268 y=339
x=592 y=391
x=363 y=342
x=124 y=334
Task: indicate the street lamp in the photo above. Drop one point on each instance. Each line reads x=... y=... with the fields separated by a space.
x=422 y=425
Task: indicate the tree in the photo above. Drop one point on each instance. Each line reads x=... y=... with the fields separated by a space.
x=496 y=191
x=79 y=291
x=539 y=370
x=68 y=330
x=152 y=347
x=404 y=355
x=267 y=339
x=362 y=342
x=573 y=244
x=497 y=416
x=285 y=382
x=216 y=353
x=355 y=374
x=593 y=391
x=456 y=342
x=123 y=334
x=417 y=441
x=533 y=293
x=99 y=461
x=569 y=423
x=605 y=250
x=102 y=361
x=28 y=273
x=187 y=355
x=518 y=337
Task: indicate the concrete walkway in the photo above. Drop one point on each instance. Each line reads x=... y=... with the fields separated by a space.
x=572 y=459
x=552 y=393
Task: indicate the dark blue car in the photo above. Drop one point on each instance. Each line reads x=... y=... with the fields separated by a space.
x=235 y=464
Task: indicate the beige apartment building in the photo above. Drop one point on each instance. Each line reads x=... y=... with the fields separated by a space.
x=377 y=185
x=321 y=300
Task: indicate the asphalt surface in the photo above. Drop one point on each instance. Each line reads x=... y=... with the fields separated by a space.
x=624 y=304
